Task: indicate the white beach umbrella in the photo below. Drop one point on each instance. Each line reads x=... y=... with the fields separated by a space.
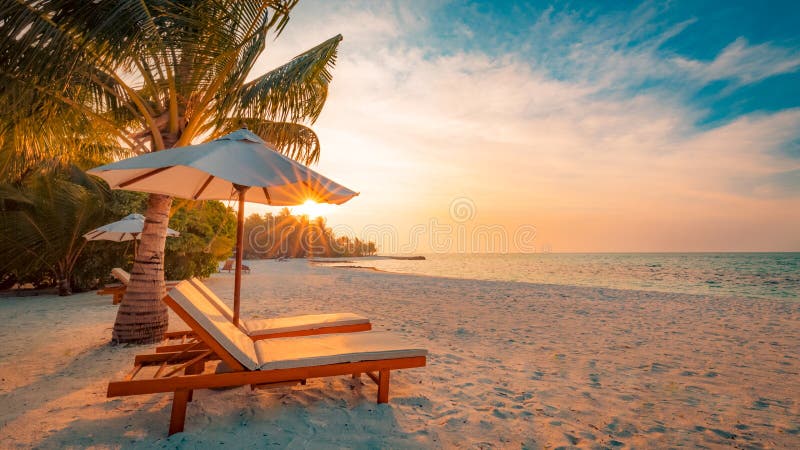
x=240 y=165
x=125 y=229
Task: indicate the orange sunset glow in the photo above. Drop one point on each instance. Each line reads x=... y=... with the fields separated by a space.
x=312 y=209
x=591 y=173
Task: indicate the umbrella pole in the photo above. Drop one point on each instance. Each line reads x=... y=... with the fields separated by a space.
x=237 y=286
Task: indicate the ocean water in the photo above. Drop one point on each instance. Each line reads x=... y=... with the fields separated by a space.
x=763 y=275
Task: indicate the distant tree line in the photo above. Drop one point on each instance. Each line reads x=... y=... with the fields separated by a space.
x=287 y=235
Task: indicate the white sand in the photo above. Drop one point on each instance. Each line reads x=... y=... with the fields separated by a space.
x=510 y=365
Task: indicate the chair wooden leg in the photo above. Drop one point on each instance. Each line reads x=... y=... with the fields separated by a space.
x=356 y=375
x=178 y=416
x=194 y=369
x=383 y=386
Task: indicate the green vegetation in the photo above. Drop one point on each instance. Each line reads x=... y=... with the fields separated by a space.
x=103 y=79
x=208 y=232
x=285 y=235
x=44 y=215
x=42 y=219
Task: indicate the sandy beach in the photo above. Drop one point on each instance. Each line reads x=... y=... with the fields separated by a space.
x=511 y=365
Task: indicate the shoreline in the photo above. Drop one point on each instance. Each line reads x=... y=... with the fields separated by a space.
x=555 y=285
x=49 y=292
x=46 y=292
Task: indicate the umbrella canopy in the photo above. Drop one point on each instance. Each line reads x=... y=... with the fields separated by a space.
x=215 y=170
x=239 y=164
x=125 y=229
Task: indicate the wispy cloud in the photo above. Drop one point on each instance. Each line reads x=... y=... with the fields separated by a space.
x=626 y=49
x=743 y=63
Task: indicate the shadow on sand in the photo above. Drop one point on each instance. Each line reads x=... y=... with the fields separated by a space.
x=336 y=412
x=309 y=417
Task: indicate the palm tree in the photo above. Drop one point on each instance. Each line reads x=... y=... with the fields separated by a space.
x=147 y=76
x=42 y=221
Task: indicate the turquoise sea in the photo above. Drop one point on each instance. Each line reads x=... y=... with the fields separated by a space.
x=764 y=275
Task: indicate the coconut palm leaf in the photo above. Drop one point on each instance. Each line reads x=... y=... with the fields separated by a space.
x=43 y=218
x=295 y=91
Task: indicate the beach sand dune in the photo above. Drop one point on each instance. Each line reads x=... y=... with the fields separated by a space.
x=511 y=365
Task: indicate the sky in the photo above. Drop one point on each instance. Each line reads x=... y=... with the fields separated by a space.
x=559 y=126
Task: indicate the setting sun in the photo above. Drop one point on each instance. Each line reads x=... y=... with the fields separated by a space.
x=312 y=209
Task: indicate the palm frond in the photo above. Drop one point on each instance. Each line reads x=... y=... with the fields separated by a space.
x=127 y=61
x=69 y=137
x=293 y=92
x=42 y=221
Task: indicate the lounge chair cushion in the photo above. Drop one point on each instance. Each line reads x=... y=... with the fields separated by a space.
x=238 y=344
x=308 y=351
x=224 y=309
x=261 y=327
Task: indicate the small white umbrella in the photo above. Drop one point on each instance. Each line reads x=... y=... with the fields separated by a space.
x=239 y=164
x=125 y=229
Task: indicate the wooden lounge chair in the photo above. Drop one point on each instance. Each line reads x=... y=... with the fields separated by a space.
x=230 y=265
x=261 y=363
x=257 y=329
x=118 y=290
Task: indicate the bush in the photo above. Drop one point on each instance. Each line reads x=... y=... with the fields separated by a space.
x=208 y=231
x=44 y=215
x=42 y=219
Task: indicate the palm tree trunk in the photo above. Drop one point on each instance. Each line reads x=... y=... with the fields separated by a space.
x=142 y=317
x=64 y=288
x=62 y=279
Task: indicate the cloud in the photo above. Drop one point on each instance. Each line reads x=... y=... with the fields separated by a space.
x=607 y=50
x=743 y=63
x=627 y=49
x=413 y=128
